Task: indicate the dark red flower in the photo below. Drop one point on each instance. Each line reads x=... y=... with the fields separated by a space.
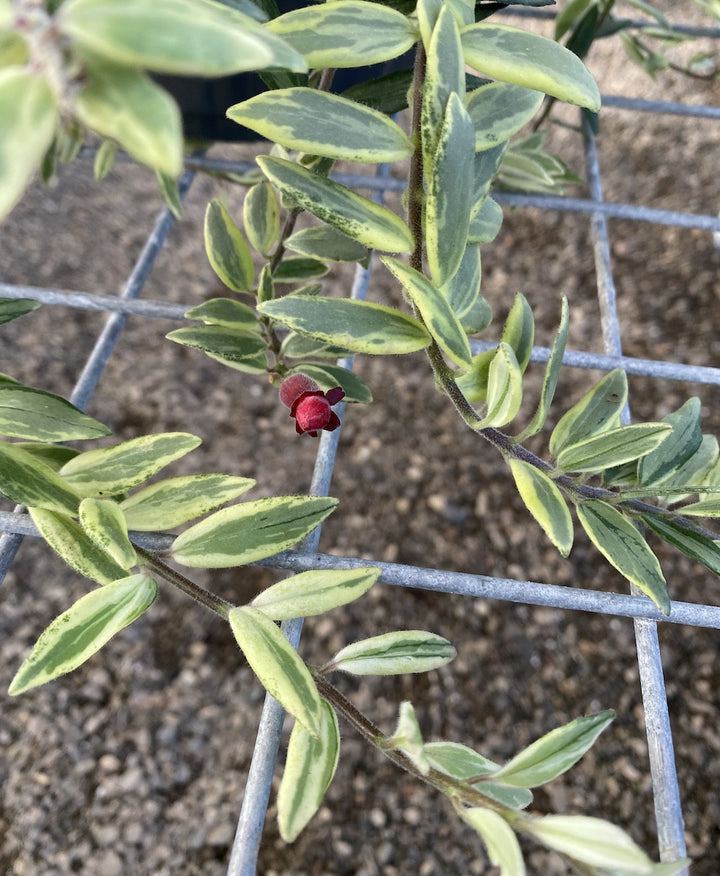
x=309 y=405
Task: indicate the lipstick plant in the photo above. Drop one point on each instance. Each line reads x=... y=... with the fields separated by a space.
x=83 y=65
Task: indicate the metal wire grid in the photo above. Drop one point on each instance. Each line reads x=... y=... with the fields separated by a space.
x=665 y=783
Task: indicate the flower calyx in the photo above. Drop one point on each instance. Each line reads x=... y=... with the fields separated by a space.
x=309 y=405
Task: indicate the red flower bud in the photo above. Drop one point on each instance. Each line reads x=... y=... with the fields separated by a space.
x=309 y=405
x=294 y=386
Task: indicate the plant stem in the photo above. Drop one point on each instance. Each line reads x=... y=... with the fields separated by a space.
x=459 y=791
x=195 y=591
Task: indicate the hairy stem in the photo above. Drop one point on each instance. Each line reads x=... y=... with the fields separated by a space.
x=460 y=792
x=195 y=591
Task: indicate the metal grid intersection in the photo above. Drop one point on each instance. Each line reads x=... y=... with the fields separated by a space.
x=665 y=784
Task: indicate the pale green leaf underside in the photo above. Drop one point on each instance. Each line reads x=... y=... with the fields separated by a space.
x=323 y=124
x=519 y=330
x=250 y=531
x=261 y=217
x=592 y=841
x=113 y=470
x=233 y=345
x=435 y=310
x=395 y=654
x=503 y=847
x=553 y=754
x=459 y=761
x=174 y=501
x=545 y=502
x=277 y=665
x=78 y=633
x=552 y=370
x=359 y=326
x=614 y=447
x=351 y=33
x=622 y=545
x=368 y=223
x=314 y=592
x=485 y=224
x=29 y=114
x=504 y=388
x=520 y=58
x=309 y=768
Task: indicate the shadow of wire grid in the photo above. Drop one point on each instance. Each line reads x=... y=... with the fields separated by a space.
x=592 y=209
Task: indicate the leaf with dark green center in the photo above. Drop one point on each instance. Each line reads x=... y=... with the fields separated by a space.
x=78 y=633
x=395 y=654
x=597 y=411
x=27 y=480
x=226 y=248
x=677 y=449
x=309 y=768
x=116 y=469
x=353 y=33
x=359 y=326
x=435 y=310
x=688 y=539
x=499 y=110
x=521 y=58
x=323 y=124
x=41 y=416
x=314 y=592
x=622 y=545
x=615 y=447
x=186 y=37
x=70 y=541
x=12 y=308
x=357 y=217
x=251 y=531
x=103 y=521
x=545 y=502
x=173 y=501
x=278 y=666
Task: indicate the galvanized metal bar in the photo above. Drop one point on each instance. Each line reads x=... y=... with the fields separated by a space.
x=458 y=583
x=572 y=358
x=96 y=301
x=246 y=845
x=666 y=789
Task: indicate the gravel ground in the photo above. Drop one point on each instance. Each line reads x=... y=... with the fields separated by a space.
x=135 y=764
